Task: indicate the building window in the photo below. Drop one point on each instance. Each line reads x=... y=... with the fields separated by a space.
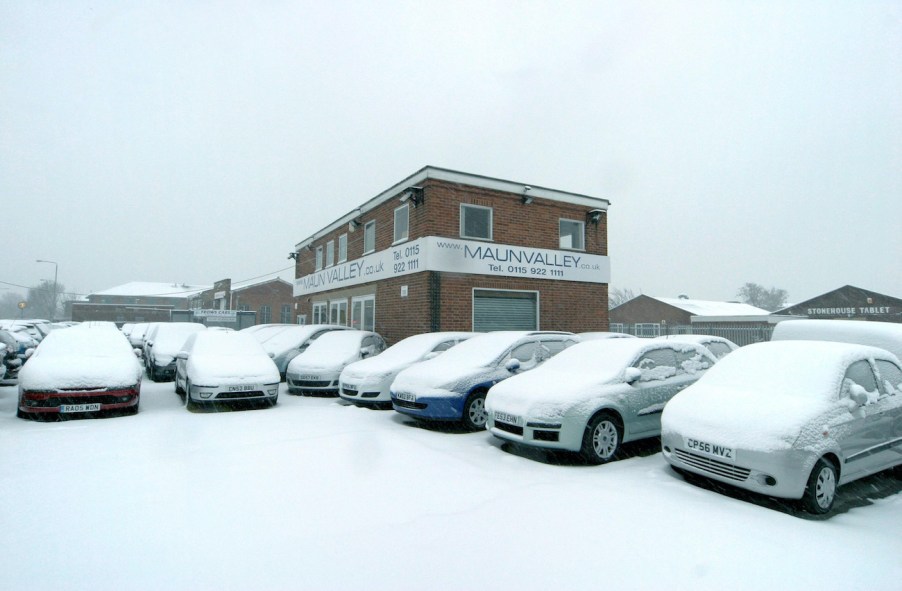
x=369 y=237
x=648 y=329
x=617 y=327
x=505 y=310
x=363 y=313
x=402 y=223
x=342 y=248
x=475 y=222
x=244 y=307
x=338 y=312
x=285 y=316
x=572 y=235
x=302 y=319
x=265 y=315
x=319 y=258
x=319 y=313
x=330 y=253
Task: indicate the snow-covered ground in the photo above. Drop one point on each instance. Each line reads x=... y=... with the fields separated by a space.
x=314 y=494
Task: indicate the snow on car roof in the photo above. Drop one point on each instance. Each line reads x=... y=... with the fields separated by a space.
x=332 y=349
x=760 y=395
x=278 y=341
x=407 y=351
x=170 y=337
x=81 y=356
x=886 y=335
x=225 y=344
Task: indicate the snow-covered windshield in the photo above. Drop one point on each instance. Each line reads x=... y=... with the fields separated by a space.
x=333 y=347
x=481 y=350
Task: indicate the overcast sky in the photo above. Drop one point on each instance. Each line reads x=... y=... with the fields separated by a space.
x=192 y=141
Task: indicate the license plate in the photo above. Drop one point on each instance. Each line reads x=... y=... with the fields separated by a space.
x=308 y=378
x=721 y=452
x=79 y=407
x=507 y=418
x=241 y=388
x=349 y=387
x=406 y=396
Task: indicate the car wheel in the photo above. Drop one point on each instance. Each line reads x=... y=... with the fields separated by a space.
x=602 y=439
x=475 y=415
x=178 y=389
x=821 y=490
x=189 y=404
x=22 y=415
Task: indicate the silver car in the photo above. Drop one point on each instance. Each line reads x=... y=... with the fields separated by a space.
x=790 y=419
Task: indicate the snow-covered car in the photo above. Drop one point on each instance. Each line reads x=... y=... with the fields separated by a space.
x=368 y=381
x=316 y=370
x=718 y=346
x=136 y=334
x=166 y=341
x=453 y=386
x=225 y=366
x=790 y=419
x=884 y=335
x=10 y=357
x=596 y=395
x=82 y=370
x=286 y=341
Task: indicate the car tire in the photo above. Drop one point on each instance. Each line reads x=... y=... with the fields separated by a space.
x=178 y=390
x=22 y=415
x=602 y=439
x=475 y=414
x=189 y=404
x=820 y=492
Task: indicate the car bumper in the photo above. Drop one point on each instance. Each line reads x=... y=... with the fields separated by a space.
x=363 y=392
x=563 y=435
x=780 y=473
x=77 y=402
x=430 y=408
x=234 y=392
x=314 y=384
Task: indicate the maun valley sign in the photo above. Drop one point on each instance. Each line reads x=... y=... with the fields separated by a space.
x=459 y=256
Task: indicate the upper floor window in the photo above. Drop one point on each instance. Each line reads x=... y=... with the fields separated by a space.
x=572 y=234
x=342 y=248
x=330 y=253
x=402 y=223
x=475 y=221
x=369 y=237
x=319 y=258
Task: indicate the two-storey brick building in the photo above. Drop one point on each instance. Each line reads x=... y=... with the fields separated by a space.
x=446 y=250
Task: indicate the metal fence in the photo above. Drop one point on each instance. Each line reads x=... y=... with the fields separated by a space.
x=739 y=334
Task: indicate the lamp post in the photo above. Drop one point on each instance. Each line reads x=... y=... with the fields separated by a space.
x=55 y=272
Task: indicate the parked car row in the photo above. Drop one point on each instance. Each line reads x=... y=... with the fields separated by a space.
x=819 y=406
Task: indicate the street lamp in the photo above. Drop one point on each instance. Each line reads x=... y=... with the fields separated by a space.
x=55 y=272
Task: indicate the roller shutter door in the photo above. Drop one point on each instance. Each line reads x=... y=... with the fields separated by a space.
x=505 y=310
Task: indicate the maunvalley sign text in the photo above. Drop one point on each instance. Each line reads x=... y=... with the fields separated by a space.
x=459 y=256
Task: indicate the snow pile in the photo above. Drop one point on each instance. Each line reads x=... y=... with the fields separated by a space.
x=81 y=357
x=760 y=396
x=333 y=350
x=218 y=357
x=886 y=335
x=401 y=355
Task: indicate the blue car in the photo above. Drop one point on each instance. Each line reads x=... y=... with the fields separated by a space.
x=453 y=386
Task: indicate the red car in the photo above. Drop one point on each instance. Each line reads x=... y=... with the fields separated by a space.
x=80 y=371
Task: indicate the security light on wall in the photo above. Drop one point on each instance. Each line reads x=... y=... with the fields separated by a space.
x=526 y=198
x=594 y=216
x=414 y=195
x=353 y=225
x=293 y=255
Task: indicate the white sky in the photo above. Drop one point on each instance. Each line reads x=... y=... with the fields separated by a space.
x=187 y=142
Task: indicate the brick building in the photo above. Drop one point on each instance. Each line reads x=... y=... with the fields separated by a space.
x=138 y=301
x=446 y=250
x=271 y=299
x=849 y=303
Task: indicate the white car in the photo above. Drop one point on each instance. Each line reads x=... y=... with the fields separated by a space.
x=165 y=343
x=225 y=366
x=790 y=419
x=285 y=342
x=453 y=386
x=595 y=396
x=718 y=346
x=316 y=370
x=603 y=335
x=368 y=381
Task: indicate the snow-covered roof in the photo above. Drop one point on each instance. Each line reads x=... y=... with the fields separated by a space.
x=147 y=289
x=707 y=308
x=252 y=282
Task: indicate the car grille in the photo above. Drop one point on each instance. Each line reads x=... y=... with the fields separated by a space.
x=347 y=392
x=509 y=428
x=408 y=404
x=55 y=401
x=712 y=466
x=231 y=395
x=369 y=395
x=311 y=383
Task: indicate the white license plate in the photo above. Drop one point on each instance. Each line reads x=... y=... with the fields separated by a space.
x=309 y=378
x=507 y=418
x=406 y=396
x=721 y=452
x=349 y=387
x=241 y=388
x=79 y=407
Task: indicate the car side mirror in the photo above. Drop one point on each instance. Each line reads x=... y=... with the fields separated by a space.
x=858 y=395
x=631 y=375
x=512 y=365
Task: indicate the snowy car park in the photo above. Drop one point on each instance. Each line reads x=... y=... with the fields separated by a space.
x=171 y=494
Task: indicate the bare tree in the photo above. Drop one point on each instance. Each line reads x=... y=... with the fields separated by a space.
x=617 y=296
x=43 y=299
x=761 y=297
x=9 y=304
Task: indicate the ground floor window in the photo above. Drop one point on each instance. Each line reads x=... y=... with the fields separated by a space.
x=338 y=312
x=363 y=313
x=319 y=313
x=302 y=319
x=648 y=329
x=285 y=316
x=505 y=310
x=265 y=314
x=617 y=327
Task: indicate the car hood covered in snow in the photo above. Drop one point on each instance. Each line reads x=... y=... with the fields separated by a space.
x=229 y=357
